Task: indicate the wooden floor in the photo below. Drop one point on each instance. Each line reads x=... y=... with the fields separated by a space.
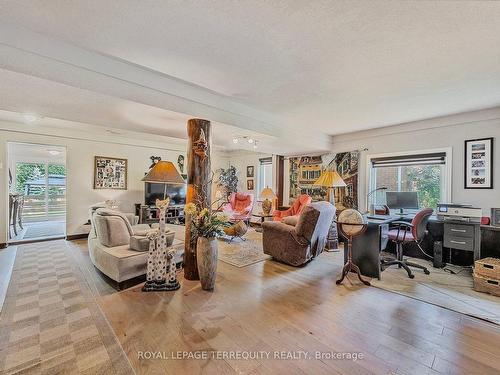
x=272 y=307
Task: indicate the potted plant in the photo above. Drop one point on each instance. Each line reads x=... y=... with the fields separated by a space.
x=206 y=226
x=228 y=180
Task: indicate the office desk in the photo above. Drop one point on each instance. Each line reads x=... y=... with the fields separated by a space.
x=366 y=248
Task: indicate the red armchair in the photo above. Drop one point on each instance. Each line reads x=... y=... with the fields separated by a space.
x=239 y=207
x=299 y=203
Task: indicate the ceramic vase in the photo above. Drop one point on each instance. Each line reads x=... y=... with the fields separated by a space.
x=206 y=255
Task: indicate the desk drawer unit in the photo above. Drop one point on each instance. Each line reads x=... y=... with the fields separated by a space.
x=461 y=243
x=457 y=230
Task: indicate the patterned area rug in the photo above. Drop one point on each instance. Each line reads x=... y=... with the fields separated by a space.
x=51 y=322
x=242 y=253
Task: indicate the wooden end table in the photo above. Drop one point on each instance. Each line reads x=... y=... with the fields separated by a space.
x=263 y=217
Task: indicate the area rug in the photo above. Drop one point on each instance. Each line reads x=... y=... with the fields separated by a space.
x=51 y=322
x=44 y=229
x=441 y=288
x=241 y=253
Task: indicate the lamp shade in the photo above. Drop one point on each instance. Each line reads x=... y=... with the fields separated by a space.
x=164 y=172
x=267 y=193
x=330 y=179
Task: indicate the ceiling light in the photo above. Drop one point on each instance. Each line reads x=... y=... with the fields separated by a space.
x=30 y=117
x=235 y=140
x=54 y=152
x=250 y=140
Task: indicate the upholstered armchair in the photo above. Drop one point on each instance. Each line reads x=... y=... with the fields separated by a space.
x=297 y=206
x=296 y=245
x=239 y=207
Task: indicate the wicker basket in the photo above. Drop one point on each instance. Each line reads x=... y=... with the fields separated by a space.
x=488 y=267
x=486 y=285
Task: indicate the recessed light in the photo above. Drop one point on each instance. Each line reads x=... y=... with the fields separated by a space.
x=54 y=152
x=250 y=140
x=235 y=140
x=30 y=117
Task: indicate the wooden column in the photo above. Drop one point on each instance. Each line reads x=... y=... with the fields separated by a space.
x=198 y=187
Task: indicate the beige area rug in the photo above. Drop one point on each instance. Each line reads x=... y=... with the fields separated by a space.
x=51 y=322
x=241 y=253
x=441 y=288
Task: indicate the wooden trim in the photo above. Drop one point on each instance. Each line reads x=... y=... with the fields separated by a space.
x=281 y=178
x=72 y=237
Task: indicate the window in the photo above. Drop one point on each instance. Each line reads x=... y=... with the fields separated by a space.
x=425 y=173
x=265 y=174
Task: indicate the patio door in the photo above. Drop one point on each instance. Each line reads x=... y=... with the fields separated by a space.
x=37 y=192
x=44 y=189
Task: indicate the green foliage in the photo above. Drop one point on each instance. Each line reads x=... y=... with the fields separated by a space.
x=427 y=181
x=228 y=180
x=32 y=171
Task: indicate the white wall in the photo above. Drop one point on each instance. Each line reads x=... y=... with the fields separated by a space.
x=80 y=168
x=242 y=159
x=448 y=131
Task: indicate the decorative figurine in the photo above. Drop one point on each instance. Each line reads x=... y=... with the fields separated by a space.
x=161 y=264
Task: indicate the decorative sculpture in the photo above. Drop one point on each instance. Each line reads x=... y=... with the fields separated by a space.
x=200 y=146
x=161 y=274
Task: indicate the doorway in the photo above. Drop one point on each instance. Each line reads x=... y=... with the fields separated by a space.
x=37 y=192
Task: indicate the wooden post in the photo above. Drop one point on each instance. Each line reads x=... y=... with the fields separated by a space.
x=199 y=176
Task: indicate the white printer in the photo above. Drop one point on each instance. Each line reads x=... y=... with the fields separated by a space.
x=459 y=212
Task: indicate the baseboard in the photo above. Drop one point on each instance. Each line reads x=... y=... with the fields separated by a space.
x=72 y=237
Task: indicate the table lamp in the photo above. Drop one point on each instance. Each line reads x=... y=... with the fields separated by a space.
x=164 y=172
x=330 y=180
x=267 y=193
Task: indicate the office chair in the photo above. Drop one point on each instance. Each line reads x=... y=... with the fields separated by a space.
x=402 y=233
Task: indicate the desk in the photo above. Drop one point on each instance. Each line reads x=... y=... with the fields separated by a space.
x=367 y=247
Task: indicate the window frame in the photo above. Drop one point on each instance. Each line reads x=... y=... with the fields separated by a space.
x=447 y=189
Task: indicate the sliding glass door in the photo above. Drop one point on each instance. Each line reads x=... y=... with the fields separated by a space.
x=43 y=186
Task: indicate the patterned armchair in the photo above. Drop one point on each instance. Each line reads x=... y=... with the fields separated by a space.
x=299 y=203
x=239 y=207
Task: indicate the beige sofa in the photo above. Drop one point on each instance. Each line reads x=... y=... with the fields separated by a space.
x=109 y=244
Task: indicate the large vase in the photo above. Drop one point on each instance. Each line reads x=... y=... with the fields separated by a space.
x=206 y=255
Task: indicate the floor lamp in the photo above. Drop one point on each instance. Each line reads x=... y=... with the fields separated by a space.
x=331 y=180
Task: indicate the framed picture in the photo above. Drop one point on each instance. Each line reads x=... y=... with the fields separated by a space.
x=249 y=184
x=250 y=171
x=479 y=164
x=110 y=173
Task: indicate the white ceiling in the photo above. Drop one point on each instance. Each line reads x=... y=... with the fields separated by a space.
x=22 y=93
x=36 y=153
x=330 y=67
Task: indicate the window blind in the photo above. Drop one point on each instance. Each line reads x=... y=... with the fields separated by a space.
x=266 y=161
x=401 y=161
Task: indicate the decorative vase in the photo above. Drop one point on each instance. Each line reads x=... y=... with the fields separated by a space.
x=206 y=255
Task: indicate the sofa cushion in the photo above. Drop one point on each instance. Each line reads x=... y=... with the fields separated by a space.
x=112 y=227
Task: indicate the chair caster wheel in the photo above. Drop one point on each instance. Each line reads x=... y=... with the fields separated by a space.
x=411 y=276
x=427 y=272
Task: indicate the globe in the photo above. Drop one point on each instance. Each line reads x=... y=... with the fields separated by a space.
x=351 y=216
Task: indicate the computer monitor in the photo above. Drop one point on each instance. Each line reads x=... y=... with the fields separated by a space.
x=401 y=200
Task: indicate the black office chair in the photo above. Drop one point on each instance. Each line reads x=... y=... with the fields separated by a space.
x=402 y=233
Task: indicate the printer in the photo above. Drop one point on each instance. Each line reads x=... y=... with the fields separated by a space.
x=459 y=213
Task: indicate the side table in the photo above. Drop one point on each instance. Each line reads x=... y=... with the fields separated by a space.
x=263 y=217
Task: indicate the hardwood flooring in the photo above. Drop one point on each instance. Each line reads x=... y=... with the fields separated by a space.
x=272 y=307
